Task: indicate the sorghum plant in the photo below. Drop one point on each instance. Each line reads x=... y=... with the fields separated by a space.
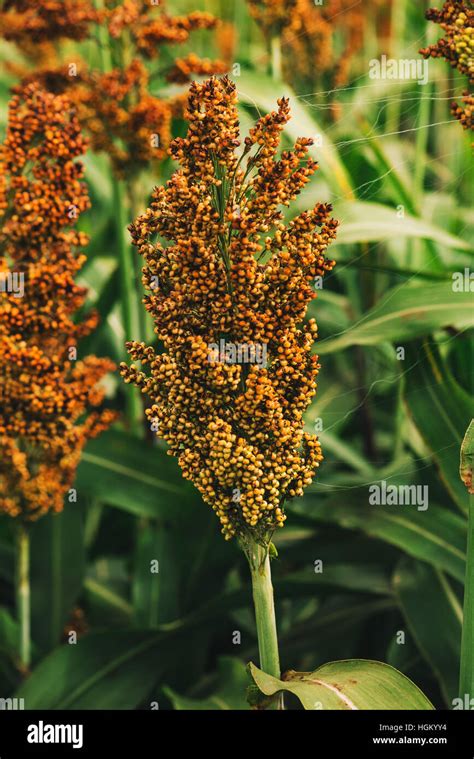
x=306 y=33
x=229 y=282
x=456 y=18
x=115 y=102
x=47 y=20
x=47 y=396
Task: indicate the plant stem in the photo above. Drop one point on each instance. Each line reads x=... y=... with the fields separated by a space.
x=23 y=593
x=259 y=561
x=398 y=22
x=128 y=287
x=135 y=197
x=275 y=58
x=466 y=680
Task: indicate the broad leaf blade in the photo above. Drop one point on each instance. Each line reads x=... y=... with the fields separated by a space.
x=127 y=473
x=362 y=221
x=352 y=684
x=57 y=571
x=155 y=587
x=434 y=617
x=231 y=693
x=440 y=410
x=405 y=313
x=102 y=671
x=437 y=535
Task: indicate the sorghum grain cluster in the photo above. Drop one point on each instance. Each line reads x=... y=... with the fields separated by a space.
x=116 y=107
x=456 y=18
x=308 y=33
x=223 y=267
x=46 y=394
x=24 y=22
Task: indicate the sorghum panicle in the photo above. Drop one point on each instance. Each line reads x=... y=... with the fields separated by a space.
x=222 y=265
x=45 y=394
x=24 y=22
x=456 y=18
x=116 y=108
x=307 y=34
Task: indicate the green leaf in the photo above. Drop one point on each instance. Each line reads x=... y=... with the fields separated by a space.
x=436 y=535
x=361 y=221
x=105 y=604
x=434 y=617
x=101 y=671
x=57 y=570
x=155 y=583
x=365 y=578
x=467 y=456
x=9 y=633
x=230 y=693
x=127 y=473
x=405 y=313
x=97 y=173
x=439 y=408
x=10 y=666
x=350 y=684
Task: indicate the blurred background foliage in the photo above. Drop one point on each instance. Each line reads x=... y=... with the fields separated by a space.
x=399 y=172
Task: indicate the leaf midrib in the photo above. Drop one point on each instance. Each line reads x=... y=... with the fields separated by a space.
x=99 y=674
x=132 y=473
x=393 y=315
x=421 y=531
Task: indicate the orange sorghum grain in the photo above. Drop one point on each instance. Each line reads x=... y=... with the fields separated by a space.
x=273 y=15
x=116 y=108
x=465 y=113
x=307 y=35
x=456 y=18
x=150 y=26
x=228 y=268
x=42 y=21
x=45 y=394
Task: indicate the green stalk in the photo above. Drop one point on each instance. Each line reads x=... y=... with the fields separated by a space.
x=134 y=199
x=466 y=679
x=104 y=41
x=421 y=144
x=128 y=287
x=275 y=58
x=259 y=562
x=398 y=23
x=23 y=593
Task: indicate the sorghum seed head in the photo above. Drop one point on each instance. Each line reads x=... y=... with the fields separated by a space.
x=45 y=393
x=228 y=269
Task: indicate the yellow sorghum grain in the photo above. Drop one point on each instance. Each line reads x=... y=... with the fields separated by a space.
x=222 y=265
